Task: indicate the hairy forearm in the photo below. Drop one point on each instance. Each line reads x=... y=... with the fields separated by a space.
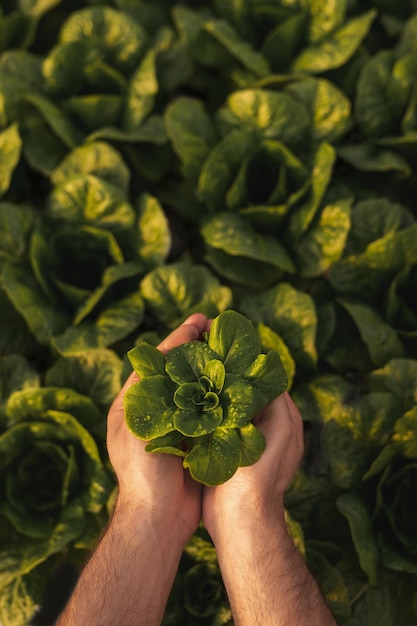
x=267 y=581
x=128 y=579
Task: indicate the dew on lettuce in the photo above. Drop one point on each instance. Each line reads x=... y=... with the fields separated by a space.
x=198 y=401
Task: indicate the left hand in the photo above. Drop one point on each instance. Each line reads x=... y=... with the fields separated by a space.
x=254 y=495
x=156 y=483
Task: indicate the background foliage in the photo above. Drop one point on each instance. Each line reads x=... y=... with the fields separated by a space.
x=159 y=158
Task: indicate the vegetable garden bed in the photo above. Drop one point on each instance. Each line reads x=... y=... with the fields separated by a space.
x=160 y=158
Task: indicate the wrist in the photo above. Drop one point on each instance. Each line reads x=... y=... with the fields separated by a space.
x=150 y=525
x=246 y=518
x=251 y=531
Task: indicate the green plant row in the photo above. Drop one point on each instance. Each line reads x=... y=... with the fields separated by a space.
x=160 y=158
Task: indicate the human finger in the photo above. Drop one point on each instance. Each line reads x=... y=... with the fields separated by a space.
x=280 y=414
x=190 y=330
x=282 y=426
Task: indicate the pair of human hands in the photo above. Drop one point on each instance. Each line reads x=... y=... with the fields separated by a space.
x=159 y=484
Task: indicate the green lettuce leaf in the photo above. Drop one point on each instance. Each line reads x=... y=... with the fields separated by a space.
x=188 y=363
x=110 y=34
x=192 y=422
x=362 y=533
x=285 y=39
x=93 y=373
x=243 y=52
x=175 y=291
x=37 y=8
x=340 y=341
x=325 y=19
x=20 y=74
x=222 y=165
x=235 y=340
x=61 y=67
x=370 y=158
x=325 y=241
x=111 y=324
x=16 y=337
x=42 y=149
x=291 y=314
x=215 y=457
x=203 y=589
x=33 y=403
x=240 y=400
x=272 y=115
x=15 y=374
x=59 y=260
x=392 y=602
x=20 y=599
x=330 y=579
x=236 y=251
x=336 y=48
x=56 y=120
x=382 y=341
x=16 y=30
x=20 y=555
x=191 y=132
x=141 y=93
x=15 y=224
x=252 y=444
x=154 y=234
x=267 y=374
x=322 y=166
x=40 y=314
x=216 y=42
x=145 y=419
x=97 y=158
x=92 y=112
x=86 y=199
x=354 y=428
x=383 y=103
x=329 y=108
x=113 y=279
x=152 y=131
x=365 y=275
x=399 y=307
x=374 y=218
x=10 y=148
x=271 y=340
x=398 y=377
x=147 y=360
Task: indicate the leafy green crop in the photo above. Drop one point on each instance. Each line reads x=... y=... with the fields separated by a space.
x=53 y=482
x=198 y=402
x=162 y=158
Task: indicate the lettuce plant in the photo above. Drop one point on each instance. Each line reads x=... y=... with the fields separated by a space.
x=395 y=507
x=383 y=513
x=161 y=158
x=280 y=137
x=53 y=482
x=400 y=309
x=199 y=596
x=198 y=402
